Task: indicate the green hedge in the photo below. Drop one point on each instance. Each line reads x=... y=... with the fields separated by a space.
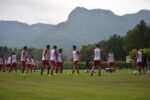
x=119 y=64
x=82 y=65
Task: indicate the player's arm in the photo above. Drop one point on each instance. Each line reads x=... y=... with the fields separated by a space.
x=56 y=54
x=11 y=59
x=48 y=53
x=63 y=55
x=137 y=54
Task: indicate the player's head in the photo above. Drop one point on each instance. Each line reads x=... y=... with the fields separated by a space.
x=48 y=46
x=97 y=45
x=13 y=53
x=25 y=47
x=74 y=47
x=60 y=50
x=55 y=47
x=137 y=49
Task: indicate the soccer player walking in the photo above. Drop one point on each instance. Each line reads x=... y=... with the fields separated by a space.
x=139 y=61
x=14 y=61
x=33 y=64
x=75 y=57
x=53 y=58
x=97 y=53
x=45 y=58
x=23 y=59
x=60 y=61
x=111 y=61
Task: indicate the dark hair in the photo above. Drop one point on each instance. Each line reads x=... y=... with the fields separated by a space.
x=13 y=53
x=74 y=47
x=48 y=46
x=25 y=47
x=55 y=47
x=97 y=45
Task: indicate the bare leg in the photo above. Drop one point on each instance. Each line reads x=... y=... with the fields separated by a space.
x=43 y=66
x=77 y=69
x=73 y=69
x=61 y=69
x=99 y=70
x=48 y=69
x=139 y=69
x=52 y=68
x=93 y=68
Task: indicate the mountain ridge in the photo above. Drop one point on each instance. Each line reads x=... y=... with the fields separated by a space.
x=83 y=26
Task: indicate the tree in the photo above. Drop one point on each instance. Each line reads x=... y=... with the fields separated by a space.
x=114 y=43
x=138 y=37
x=145 y=51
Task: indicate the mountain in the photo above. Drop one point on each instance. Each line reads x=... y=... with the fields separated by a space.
x=17 y=34
x=83 y=26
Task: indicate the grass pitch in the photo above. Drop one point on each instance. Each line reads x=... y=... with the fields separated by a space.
x=120 y=86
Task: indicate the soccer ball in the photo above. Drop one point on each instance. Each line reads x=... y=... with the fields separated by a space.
x=148 y=73
x=135 y=72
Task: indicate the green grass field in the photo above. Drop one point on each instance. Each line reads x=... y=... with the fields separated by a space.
x=120 y=86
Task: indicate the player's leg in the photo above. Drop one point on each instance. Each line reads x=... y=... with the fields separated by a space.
x=110 y=67
x=114 y=67
x=77 y=67
x=10 y=67
x=73 y=68
x=52 y=68
x=52 y=63
x=48 y=68
x=42 y=67
x=140 y=68
x=14 y=67
x=61 y=68
x=99 y=70
x=56 y=68
x=93 y=68
x=23 y=67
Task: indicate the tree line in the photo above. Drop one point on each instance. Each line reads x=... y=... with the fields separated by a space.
x=35 y=52
x=137 y=37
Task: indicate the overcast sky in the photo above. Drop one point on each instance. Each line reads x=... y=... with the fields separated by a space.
x=55 y=11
